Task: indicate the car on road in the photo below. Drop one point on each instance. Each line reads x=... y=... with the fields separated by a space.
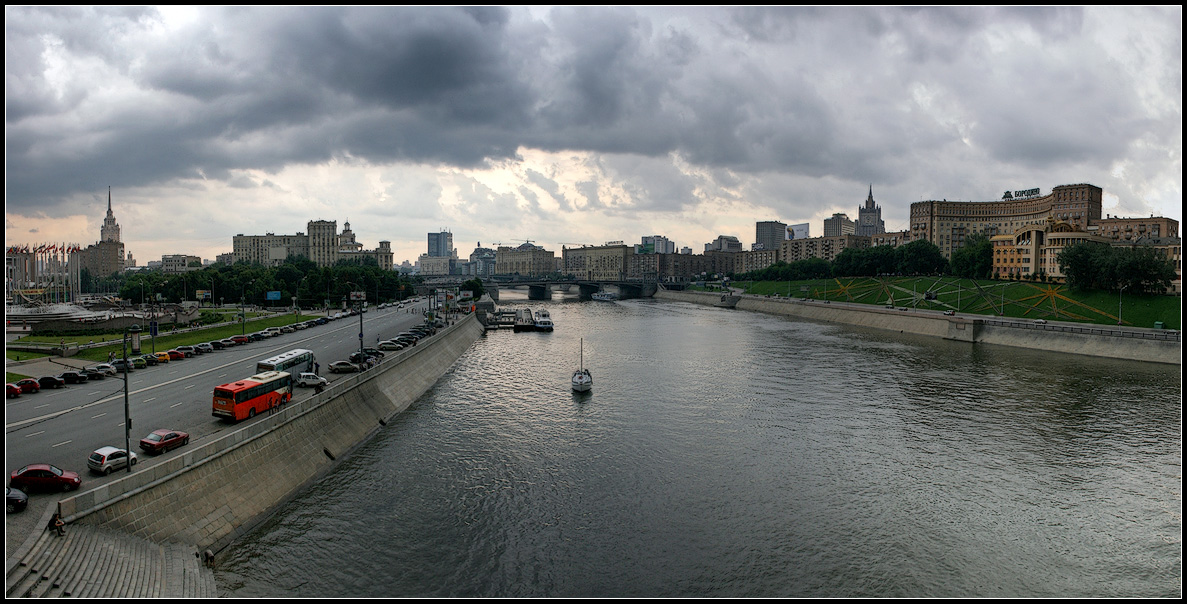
x=44 y=477
x=373 y=352
x=1040 y=321
x=217 y=345
x=287 y=329
x=163 y=357
x=121 y=366
x=949 y=313
x=311 y=380
x=228 y=342
x=138 y=363
x=29 y=386
x=257 y=336
x=204 y=347
x=106 y=460
x=106 y=368
x=73 y=377
x=240 y=339
x=164 y=440
x=392 y=345
x=93 y=374
x=343 y=367
x=50 y=381
x=176 y=355
x=15 y=500
x=11 y=391
x=150 y=359
x=322 y=321
x=188 y=351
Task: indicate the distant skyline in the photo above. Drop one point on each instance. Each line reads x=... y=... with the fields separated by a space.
x=570 y=125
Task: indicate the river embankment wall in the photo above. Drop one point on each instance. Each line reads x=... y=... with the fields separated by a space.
x=1136 y=344
x=214 y=492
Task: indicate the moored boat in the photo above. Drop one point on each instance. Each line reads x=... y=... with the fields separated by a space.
x=582 y=380
x=543 y=321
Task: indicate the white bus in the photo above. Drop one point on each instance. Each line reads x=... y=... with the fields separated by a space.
x=293 y=362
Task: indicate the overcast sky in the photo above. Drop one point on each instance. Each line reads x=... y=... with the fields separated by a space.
x=570 y=125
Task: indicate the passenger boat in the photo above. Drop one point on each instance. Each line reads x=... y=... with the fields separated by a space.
x=582 y=380
x=543 y=321
x=524 y=321
x=604 y=296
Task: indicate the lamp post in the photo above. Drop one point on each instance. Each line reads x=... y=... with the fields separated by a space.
x=1119 y=292
x=135 y=331
x=351 y=294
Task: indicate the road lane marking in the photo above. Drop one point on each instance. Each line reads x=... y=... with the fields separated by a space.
x=190 y=386
x=149 y=400
x=176 y=405
x=62 y=443
x=98 y=416
x=35 y=433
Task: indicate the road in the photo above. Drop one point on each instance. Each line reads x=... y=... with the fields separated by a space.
x=63 y=426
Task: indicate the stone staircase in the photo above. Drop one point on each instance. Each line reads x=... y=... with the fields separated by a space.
x=96 y=562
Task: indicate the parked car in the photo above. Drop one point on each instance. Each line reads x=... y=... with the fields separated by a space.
x=310 y=380
x=204 y=347
x=257 y=336
x=93 y=374
x=45 y=477
x=29 y=386
x=121 y=366
x=164 y=440
x=150 y=359
x=287 y=329
x=50 y=381
x=176 y=355
x=138 y=363
x=1040 y=321
x=163 y=357
x=73 y=377
x=188 y=351
x=391 y=345
x=343 y=367
x=11 y=391
x=106 y=460
x=299 y=326
x=950 y=313
x=217 y=345
x=321 y=321
x=15 y=500
x=106 y=368
x=228 y=342
x=239 y=339
x=375 y=352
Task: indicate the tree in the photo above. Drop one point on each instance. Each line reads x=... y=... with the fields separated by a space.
x=920 y=257
x=475 y=286
x=975 y=259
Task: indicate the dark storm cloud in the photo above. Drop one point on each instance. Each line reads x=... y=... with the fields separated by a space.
x=98 y=96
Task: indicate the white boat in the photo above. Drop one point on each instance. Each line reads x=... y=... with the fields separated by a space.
x=582 y=381
x=543 y=321
x=604 y=296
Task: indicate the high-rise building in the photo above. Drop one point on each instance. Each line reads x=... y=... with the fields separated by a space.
x=798 y=231
x=769 y=235
x=656 y=244
x=441 y=245
x=839 y=225
x=724 y=243
x=869 y=217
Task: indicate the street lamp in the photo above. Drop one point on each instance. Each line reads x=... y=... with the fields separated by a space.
x=351 y=294
x=135 y=331
x=1119 y=305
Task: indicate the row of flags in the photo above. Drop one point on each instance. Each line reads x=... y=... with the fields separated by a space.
x=52 y=248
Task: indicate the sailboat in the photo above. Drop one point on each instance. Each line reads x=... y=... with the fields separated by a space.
x=582 y=381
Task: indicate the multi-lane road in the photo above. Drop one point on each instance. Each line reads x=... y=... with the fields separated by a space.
x=63 y=426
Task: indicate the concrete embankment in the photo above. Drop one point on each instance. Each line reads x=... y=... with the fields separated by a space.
x=215 y=492
x=1137 y=344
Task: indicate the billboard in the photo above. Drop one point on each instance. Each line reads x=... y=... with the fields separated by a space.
x=273 y=295
x=358 y=296
x=203 y=294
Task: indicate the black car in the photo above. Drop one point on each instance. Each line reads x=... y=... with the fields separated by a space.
x=93 y=374
x=375 y=352
x=15 y=500
x=322 y=321
x=73 y=377
x=217 y=345
x=150 y=359
x=50 y=381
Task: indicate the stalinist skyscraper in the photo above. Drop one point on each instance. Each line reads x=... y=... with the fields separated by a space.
x=111 y=229
x=869 y=217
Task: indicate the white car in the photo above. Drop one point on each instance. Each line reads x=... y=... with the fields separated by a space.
x=107 y=368
x=106 y=460
x=311 y=380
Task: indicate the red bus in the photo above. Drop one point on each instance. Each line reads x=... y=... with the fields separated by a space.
x=256 y=394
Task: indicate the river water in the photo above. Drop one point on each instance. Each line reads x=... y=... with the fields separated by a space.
x=724 y=453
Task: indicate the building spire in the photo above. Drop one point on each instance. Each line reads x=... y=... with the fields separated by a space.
x=109 y=199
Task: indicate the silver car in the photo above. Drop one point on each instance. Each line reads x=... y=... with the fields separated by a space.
x=106 y=460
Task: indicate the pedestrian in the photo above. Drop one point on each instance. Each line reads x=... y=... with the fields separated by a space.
x=317 y=368
x=56 y=524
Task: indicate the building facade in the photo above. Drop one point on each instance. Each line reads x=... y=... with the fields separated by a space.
x=948 y=224
x=526 y=260
x=869 y=217
x=825 y=248
x=769 y=235
x=323 y=245
x=180 y=263
x=597 y=263
x=839 y=225
x=724 y=243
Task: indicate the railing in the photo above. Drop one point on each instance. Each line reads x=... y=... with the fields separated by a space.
x=1120 y=332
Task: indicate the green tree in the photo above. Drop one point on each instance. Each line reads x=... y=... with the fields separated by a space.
x=920 y=257
x=974 y=260
x=475 y=286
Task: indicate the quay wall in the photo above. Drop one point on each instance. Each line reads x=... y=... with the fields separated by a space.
x=1136 y=344
x=217 y=491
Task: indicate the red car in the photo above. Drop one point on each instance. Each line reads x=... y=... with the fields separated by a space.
x=163 y=440
x=45 y=477
x=240 y=339
x=28 y=385
x=11 y=391
x=175 y=355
